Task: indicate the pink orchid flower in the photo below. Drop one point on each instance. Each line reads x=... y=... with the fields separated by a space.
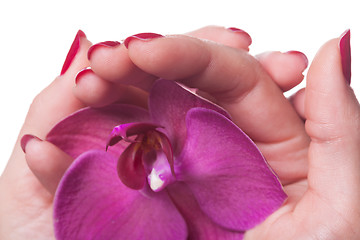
x=180 y=170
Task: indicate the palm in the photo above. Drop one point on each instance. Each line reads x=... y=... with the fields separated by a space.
x=31 y=210
x=303 y=217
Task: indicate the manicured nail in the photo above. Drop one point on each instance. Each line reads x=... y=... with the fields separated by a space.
x=142 y=37
x=306 y=61
x=345 y=52
x=108 y=44
x=73 y=51
x=26 y=139
x=238 y=30
x=82 y=72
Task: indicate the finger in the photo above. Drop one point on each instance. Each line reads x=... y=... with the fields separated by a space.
x=298 y=102
x=232 y=37
x=333 y=114
x=110 y=61
x=239 y=84
x=46 y=161
x=213 y=69
x=95 y=92
x=284 y=68
x=57 y=100
x=286 y=71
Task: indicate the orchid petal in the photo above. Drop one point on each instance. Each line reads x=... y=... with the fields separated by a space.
x=89 y=128
x=226 y=172
x=200 y=226
x=124 y=131
x=92 y=203
x=168 y=104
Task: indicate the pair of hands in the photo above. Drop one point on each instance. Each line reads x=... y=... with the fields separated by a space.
x=318 y=161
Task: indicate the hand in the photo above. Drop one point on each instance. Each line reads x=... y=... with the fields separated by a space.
x=27 y=185
x=329 y=207
x=26 y=206
x=318 y=162
x=228 y=75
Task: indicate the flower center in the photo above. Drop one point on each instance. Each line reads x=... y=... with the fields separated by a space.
x=148 y=157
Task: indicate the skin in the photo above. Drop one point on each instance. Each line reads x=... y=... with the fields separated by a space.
x=26 y=205
x=318 y=162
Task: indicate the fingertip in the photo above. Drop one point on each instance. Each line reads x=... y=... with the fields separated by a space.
x=170 y=57
x=76 y=57
x=345 y=52
x=245 y=39
x=286 y=69
x=113 y=64
x=329 y=98
x=103 y=45
x=147 y=36
x=109 y=62
x=298 y=102
x=231 y=37
x=47 y=162
x=75 y=46
x=26 y=139
x=301 y=58
x=94 y=91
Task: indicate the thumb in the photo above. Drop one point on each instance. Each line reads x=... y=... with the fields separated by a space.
x=333 y=124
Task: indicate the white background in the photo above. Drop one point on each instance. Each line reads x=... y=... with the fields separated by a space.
x=35 y=36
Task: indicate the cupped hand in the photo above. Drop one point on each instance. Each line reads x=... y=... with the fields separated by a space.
x=30 y=180
x=316 y=160
x=26 y=205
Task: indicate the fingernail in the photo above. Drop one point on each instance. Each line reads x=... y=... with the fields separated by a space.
x=81 y=73
x=300 y=54
x=142 y=37
x=108 y=44
x=238 y=30
x=345 y=52
x=26 y=139
x=73 y=51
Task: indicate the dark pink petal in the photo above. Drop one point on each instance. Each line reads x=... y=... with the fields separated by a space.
x=92 y=203
x=227 y=174
x=90 y=128
x=200 y=226
x=130 y=167
x=124 y=131
x=168 y=104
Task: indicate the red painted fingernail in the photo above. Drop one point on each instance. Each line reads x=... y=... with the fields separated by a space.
x=306 y=61
x=238 y=30
x=80 y=74
x=141 y=36
x=26 y=139
x=345 y=52
x=108 y=44
x=234 y=29
x=73 y=51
